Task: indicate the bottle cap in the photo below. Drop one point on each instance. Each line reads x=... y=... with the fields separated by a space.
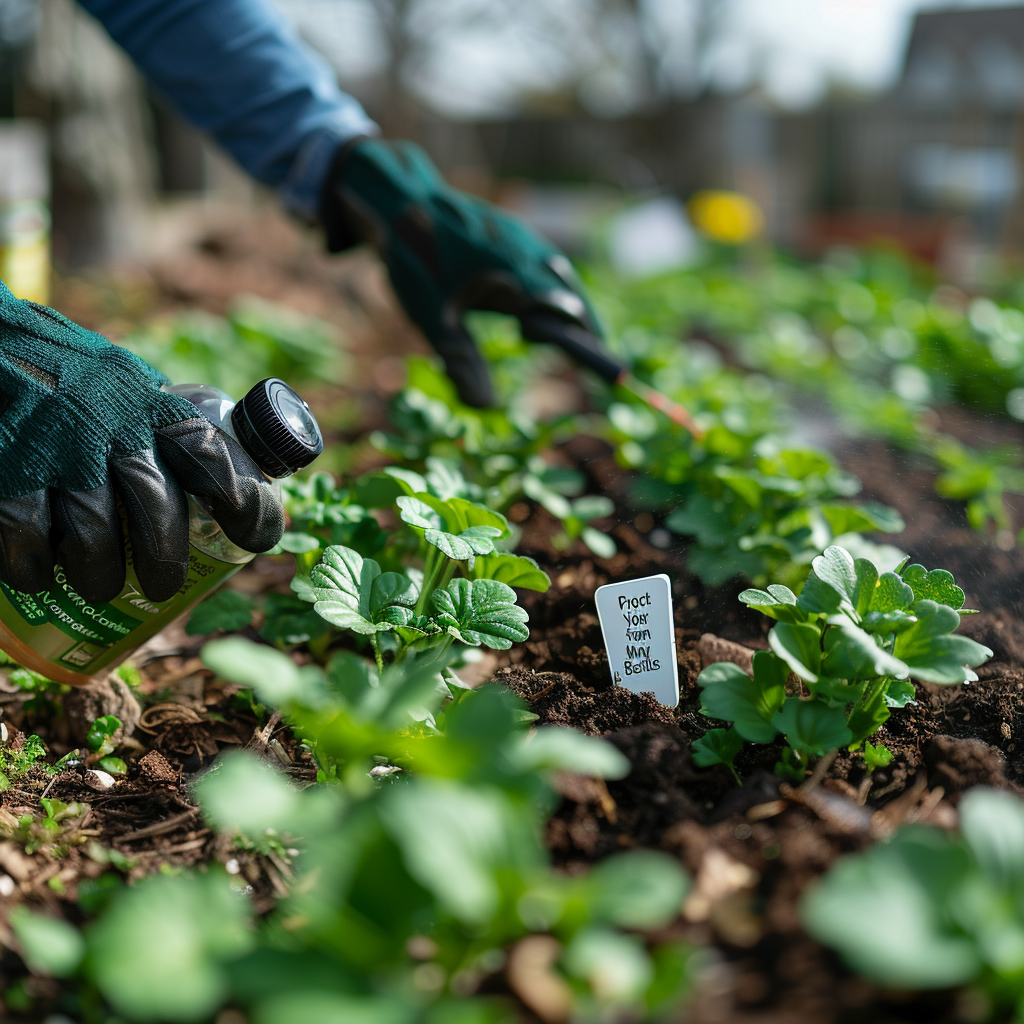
x=276 y=428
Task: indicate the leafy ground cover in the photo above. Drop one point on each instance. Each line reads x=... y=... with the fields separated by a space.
x=311 y=817
x=871 y=340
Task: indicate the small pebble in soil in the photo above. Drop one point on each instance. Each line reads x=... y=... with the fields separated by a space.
x=99 y=780
x=7 y=885
x=232 y=867
x=660 y=537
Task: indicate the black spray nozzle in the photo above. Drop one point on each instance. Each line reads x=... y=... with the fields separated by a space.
x=276 y=427
x=584 y=348
x=577 y=342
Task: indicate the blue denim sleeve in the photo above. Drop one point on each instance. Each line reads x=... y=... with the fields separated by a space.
x=238 y=70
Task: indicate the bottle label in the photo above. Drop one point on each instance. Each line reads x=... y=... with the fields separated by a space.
x=639 y=634
x=25 y=249
x=68 y=631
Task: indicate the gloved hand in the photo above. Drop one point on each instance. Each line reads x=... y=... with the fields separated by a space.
x=446 y=252
x=83 y=421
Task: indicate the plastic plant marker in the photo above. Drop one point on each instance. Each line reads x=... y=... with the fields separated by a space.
x=639 y=634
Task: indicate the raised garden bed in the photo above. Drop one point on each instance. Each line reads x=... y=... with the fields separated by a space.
x=443 y=907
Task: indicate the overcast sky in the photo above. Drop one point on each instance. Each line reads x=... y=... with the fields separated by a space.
x=807 y=41
x=794 y=47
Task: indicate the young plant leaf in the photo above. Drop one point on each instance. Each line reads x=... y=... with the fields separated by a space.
x=729 y=694
x=514 y=570
x=474 y=514
x=932 y=654
x=474 y=540
x=49 y=945
x=297 y=544
x=876 y=756
x=887 y=623
x=887 y=912
x=835 y=566
x=993 y=828
x=391 y=593
x=551 y=501
x=459 y=529
x=855 y=654
x=812 y=727
x=899 y=693
x=717 y=746
x=638 y=889
x=600 y=543
x=891 y=594
x=799 y=646
x=444 y=478
x=818 y=597
x=555 y=748
x=937 y=586
x=344 y=575
x=592 y=506
x=777 y=602
x=864 y=589
x=481 y=612
x=416 y=512
x=100 y=737
x=352 y=593
x=225 y=610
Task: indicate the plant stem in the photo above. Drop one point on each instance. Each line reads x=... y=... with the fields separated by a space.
x=446 y=575
x=870 y=694
x=378 y=654
x=429 y=570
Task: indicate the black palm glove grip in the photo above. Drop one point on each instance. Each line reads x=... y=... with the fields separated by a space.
x=446 y=252
x=83 y=423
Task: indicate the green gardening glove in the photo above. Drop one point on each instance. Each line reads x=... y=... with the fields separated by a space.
x=446 y=252
x=83 y=426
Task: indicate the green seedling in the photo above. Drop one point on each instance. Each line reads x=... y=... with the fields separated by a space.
x=499 y=454
x=16 y=758
x=854 y=639
x=980 y=479
x=882 y=347
x=429 y=609
x=278 y=342
x=323 y=514
x=103 y=736
x=443 y=869
x=934 y=910
x=225 y=611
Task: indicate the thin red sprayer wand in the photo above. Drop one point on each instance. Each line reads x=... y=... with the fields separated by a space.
x=656 y=400
x=584 y=348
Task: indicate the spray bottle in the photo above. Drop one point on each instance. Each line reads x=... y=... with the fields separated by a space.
x=60 y=635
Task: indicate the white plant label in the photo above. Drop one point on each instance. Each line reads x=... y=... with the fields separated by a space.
x=640 y=637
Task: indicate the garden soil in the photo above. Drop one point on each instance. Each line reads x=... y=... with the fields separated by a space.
x=751 y=850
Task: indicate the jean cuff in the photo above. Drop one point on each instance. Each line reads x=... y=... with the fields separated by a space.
x=304 y=185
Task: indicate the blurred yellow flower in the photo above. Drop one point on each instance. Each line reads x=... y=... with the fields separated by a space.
x=728 y=217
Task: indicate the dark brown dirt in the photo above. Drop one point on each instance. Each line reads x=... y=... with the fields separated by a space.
x=753 y=850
